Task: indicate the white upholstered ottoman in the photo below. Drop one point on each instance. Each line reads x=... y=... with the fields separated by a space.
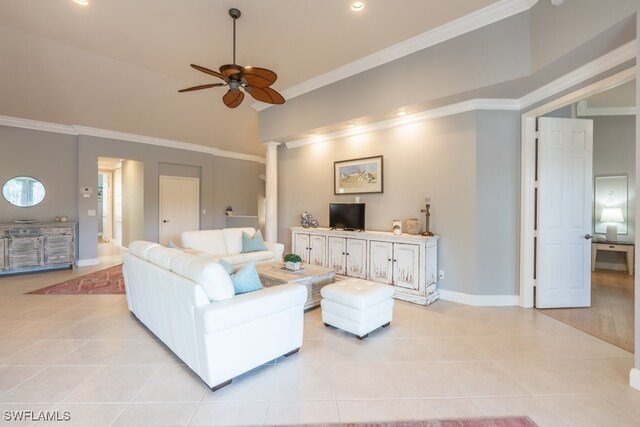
x=357 y=306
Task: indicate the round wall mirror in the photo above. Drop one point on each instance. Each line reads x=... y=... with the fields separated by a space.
x=23 y=191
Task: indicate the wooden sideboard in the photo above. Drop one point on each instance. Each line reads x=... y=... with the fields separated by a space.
x=406 y=262
x=38 y=246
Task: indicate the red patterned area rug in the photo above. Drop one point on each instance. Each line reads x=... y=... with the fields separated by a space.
x=461 y=422
x=107 y=281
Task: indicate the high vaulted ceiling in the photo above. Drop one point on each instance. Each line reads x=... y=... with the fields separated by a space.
x=118 y=64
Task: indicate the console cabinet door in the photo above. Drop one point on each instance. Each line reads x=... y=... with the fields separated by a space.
x=406 y=265
x=357 y=258
x=337 y=254
x=317 y=250
x=301 y=243
x=2 y=254
x=59 y=246
x=25 y=252
x=381 y=262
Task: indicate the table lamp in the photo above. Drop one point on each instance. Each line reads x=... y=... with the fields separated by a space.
x=612 y=216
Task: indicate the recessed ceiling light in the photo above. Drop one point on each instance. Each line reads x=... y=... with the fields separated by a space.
x=401 y=113
x=357 y=6
x=81 y=2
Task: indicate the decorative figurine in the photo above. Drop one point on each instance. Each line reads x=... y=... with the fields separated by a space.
x=427 y=214
x=306 y=219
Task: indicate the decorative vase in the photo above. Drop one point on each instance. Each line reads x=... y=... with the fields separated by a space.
x=397 y=227
x=293 y=266
x=413 y=226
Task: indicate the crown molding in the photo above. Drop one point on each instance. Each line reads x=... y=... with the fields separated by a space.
x=435 y=113
x=123 y=136
x=616 y=57
x=583 y=110
x=478 y=19
x=36 y=125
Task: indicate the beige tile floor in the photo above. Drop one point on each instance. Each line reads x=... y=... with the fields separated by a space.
x=85 y=354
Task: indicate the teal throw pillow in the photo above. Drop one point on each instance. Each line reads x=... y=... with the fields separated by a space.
x=172 y=245
x=253 y=244
x=227 y=266
x=246 y=279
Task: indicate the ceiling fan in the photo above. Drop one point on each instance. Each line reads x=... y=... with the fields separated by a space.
x=254 y=80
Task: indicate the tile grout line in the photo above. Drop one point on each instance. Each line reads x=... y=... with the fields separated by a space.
x=135 y=395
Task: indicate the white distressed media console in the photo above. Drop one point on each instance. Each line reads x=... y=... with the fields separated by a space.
x=408 y=263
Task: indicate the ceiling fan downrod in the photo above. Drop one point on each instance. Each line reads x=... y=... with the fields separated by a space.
x=235 y=14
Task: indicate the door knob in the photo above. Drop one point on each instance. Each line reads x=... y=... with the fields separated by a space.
x=588 y=236
x=165 y=220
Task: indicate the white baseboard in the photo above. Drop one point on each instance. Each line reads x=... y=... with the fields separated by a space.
x=634 y=378
x=87 y=262
x=480 y=300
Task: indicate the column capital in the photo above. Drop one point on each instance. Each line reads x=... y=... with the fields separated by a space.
x=271 y=143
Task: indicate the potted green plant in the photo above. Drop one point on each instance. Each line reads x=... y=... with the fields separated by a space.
x=292 y=262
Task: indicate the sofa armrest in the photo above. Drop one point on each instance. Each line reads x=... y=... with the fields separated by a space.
x=221 y=315
x=277 y=249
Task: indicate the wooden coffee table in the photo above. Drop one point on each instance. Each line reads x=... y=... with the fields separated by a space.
x=313 y=277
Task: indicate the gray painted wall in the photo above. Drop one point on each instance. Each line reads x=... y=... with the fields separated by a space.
x=470 y=172
x=237 y=184
x=497 y=198
x=51 y=158
x=614 y=139
x=64 y=163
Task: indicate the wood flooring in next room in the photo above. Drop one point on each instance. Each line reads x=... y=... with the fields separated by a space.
x=611 y=315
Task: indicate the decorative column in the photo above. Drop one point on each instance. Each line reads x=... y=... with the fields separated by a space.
x=271 y=193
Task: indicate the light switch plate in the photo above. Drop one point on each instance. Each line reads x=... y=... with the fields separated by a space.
x=91 y=212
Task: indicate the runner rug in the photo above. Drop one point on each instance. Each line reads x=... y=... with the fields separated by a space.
x=454 y=422
x=107 y=281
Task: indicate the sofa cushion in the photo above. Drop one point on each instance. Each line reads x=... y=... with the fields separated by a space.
x=161 y=256
x=209 y=274
x=242 y=258
x=210 y=241
x=253 y=244
x=233 y=238
x=140 y=248
x=246 y=279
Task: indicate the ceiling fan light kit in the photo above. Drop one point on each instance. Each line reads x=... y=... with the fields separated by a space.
x=255 y=81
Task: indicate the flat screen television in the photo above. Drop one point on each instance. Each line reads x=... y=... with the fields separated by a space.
x=346 y=216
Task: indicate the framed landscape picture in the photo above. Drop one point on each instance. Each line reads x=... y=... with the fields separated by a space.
x=358 y=176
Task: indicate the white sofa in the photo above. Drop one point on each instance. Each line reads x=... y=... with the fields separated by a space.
x=227 y=244
x=167 y=290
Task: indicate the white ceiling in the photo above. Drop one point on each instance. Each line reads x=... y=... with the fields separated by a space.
x=152 y=42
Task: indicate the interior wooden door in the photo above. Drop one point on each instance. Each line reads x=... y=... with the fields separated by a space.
x=565 y=201
x=179 y=207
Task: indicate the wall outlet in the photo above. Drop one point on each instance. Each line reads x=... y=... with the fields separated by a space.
x=91 y=212
x=441 y=274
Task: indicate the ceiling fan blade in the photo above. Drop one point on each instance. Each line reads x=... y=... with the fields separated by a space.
x=211 y=72
x=265 y=94
x=189 y=89
x=233 y=98
x=259 y=77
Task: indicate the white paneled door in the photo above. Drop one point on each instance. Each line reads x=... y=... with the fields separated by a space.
x=179 y=207
x=565 y=200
